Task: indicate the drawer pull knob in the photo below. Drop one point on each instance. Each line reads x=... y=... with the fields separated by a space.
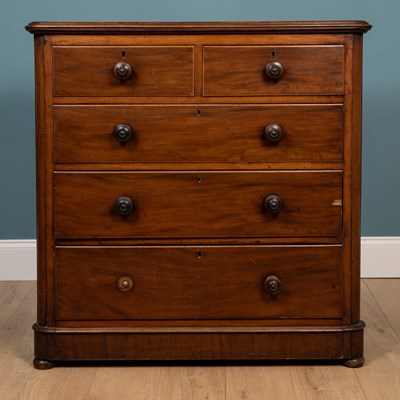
x=273 y=204
x=272 y=285
x=122 y=71
x=274 y=70
x=123 y=133
x=124 y=205
x=273 y=133
x=125 y=283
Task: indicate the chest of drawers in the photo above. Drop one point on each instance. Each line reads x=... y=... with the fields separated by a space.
x=198 y=191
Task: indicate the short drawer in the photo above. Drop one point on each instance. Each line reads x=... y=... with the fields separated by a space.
x=241 y=70
x=199 y=282
x=197 y=204
x=179 y=133
x=155 y=71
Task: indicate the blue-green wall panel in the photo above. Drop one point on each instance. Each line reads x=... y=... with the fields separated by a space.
x=381 y=139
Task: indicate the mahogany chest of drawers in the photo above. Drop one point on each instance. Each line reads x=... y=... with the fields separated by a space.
x=198 y=191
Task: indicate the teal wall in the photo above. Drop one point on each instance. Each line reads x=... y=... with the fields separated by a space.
x=381 y=143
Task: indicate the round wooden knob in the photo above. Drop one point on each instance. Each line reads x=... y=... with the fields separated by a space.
x=125 y=283
x=273 y=133
x=273 y=204
x=122 y=71
x=123 y=133
x=123 y=205
x=272 y=285
x=274 y=70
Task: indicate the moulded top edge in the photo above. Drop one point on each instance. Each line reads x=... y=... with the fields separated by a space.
x=260 y=27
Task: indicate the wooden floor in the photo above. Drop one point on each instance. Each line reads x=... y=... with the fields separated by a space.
x=378 y=379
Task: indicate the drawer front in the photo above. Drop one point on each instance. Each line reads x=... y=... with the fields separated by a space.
x=156 y=71
x=198 y=283
x=197 y=204
x=310 y=133
x=240 y=70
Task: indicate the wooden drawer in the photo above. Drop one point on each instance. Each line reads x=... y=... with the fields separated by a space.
x=197 y=204
x=311 y=133
x=156 y=71
x=198 y=282
x=240 y=70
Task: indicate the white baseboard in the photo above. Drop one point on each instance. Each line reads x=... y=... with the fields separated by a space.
x=17 y=260
x=380 y=258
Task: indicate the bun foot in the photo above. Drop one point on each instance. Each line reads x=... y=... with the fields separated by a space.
x=354 y=362
x=42 y=364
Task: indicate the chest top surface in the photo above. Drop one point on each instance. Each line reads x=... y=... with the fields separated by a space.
x=42 y=28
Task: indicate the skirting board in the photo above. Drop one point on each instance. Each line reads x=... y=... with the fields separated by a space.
x=17 y=260
x=380 y=258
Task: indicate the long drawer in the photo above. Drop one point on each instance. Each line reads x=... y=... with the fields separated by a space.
x=198 y=282
x=155 y=71
x=237 y=133
x=241 y=70
x=197 y=204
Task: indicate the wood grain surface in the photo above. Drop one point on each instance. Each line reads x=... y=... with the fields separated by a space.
x=198 y=282
x=156 y=70
x=239 y=70
x=202 y=133
x=190 y=204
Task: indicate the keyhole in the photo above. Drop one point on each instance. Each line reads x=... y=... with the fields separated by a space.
x=123 y=54
x=273 y=54
x=198 y=254
x=199 y=179
x=198 y=113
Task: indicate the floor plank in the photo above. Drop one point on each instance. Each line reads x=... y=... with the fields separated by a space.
x=380 y=377
x=11 y=295
x=15 y=379
x=181 y=383
x=62 y=384
x=387 y=293
x=16 y=334
x=259 y=383
x=159 y=383
x=16 y=342
x=326 y=382
x=128 y=383
x=14 y=291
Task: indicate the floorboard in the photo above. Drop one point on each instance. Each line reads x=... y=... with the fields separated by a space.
x=380 y=377
x=326 y=382
x=260 y=382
